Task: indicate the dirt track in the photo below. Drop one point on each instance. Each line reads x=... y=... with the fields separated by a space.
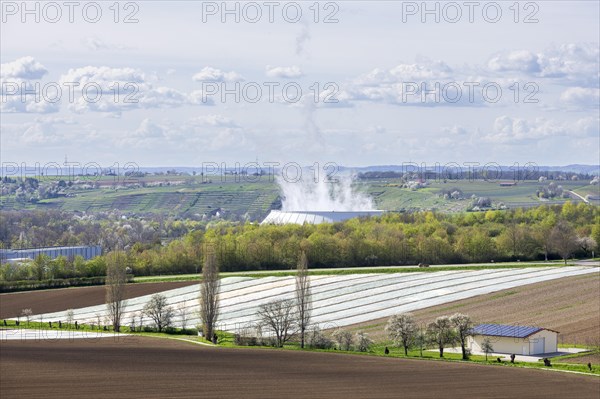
x=568 y=305
x=153 y=368
x=60 y=299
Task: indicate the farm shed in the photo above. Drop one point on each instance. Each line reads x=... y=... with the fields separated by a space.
x=520 y=340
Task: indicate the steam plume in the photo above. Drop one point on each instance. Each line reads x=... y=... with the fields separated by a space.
x=321 y=195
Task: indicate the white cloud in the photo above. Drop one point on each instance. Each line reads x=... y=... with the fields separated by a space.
x=30 y=101
x=45 y=130
x=148 y=129
x=290 y=72
x=162 y=97
x=515 y=61
x=455 y=130
x=23 y=68
x=210 y=74
x=416 y=72
x=426 y=83
x=212 y=132
x=572 y=63
x=212 y=120
x=97 y=44
x=581 y=97
x=121 y=89
x=20 y=90
x=508 y=130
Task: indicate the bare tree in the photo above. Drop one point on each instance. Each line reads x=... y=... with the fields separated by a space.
x=303 y=296
x=141 y=319
x=279 y=317
x=99 y=320
x=132 y=322
x=27 y=314
x=401 y=329
x=116 y=277
x=487 y=347
x=344 y=339
x=441 y=333
x=209 y=295
x=564 y=240
x=70 y=317
x=421 y=339
x=182 y=312
x=158 y=310
x=463 y=326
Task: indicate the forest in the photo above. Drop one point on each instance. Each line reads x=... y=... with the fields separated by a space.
x=160 y=247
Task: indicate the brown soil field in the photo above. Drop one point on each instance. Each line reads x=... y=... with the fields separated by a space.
x=569 y=305
x=55 y=300
x=157 y=368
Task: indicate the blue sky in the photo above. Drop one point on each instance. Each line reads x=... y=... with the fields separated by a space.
x=373 y=61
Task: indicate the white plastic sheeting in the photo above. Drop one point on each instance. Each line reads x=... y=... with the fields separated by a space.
x=337 y=300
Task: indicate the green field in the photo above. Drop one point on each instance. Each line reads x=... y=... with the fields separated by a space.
x=183 y=200
x=186 y=196
x=389 y=196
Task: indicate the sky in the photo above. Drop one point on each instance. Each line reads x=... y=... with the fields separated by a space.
x=183 y=83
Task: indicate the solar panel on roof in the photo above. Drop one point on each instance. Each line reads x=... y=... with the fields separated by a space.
x=500 y=330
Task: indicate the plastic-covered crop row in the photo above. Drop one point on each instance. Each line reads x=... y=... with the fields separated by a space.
x=336 y=300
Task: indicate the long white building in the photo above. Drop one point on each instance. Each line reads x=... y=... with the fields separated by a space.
x=314 y=217
x=87 y=252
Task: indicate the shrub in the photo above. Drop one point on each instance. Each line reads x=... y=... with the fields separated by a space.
x=344 y=339
x=242 y=340
x=363 y=342
x=318 y=340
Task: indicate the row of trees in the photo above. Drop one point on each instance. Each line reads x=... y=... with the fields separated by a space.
x=286 y=318
x=114 y=229
x=157 y=308
x=444 y=331
x=281 y=317
x=393 y=239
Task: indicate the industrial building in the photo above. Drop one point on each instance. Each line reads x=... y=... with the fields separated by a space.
x=518 y=340
x=314 y=217
x=14 y=255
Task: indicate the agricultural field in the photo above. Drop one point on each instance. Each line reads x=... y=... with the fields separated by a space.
x=389 y=196
x=54 y=300
x=188 y=197
x=339 y=300
x=592 y=191
x=159 y=368
x=569 y=305
x=191 y=196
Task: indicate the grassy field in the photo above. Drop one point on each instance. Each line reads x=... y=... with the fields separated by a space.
x=388 y=195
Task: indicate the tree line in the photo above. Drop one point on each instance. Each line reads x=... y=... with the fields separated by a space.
x=542 y=233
